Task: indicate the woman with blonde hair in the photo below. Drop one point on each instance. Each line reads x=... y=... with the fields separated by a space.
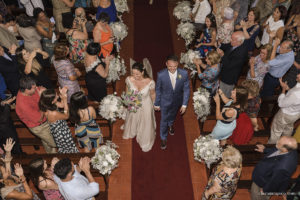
x=223 y=181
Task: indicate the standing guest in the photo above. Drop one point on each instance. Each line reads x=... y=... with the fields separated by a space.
x=72 y=185
x=240 y=8
x=279 y=65
x=218 y=9
x=96 y=72
x=259 y=65
x=207 y=40
x=7 y=39
x=200 y=10
x=82 y=3
x=66 y=72
x=42 y=178
x=272 y=174
x=32 y=64
x=27 y=102
x=59 y=128
x=234 y=56
x=289 y=113
x=87 y=130
x=211 y=71
x=285 y=3
x=291 y=75
x=31 y=4
x=226 y=28
x=103 y=35
x=224 y=178
x=265 y=8
x=60 y=7
x=26 y=29
x=9 y=68
x=108 y=7
x=10 y=24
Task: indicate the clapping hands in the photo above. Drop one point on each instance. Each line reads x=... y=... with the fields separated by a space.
x=283 y=85
x=84 y=164
x=19 y=170
x=63 y=92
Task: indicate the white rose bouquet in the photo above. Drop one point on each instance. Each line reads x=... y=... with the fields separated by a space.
x=120 y=30
x=111 y=107
x=116 y=69
x=183 y=11
x=207 y=149
x=201 y=102
x=186 y=30
x=187 y=59
x=121 y=6
x=106 y=158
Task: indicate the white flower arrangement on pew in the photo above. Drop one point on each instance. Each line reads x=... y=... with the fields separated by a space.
x=116 y=69
x=207 y=149
x=183 y=11
x=186 y=30
x=111 y=107
x=106 y=158
x=201 y=102
x=121 y=6
x=120 y=30
x=187 y=59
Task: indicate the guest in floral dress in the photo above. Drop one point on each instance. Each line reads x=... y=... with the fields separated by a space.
x=293 y=26
x=222 y=183
x=211 y=71
x=226 y=28
x=67 y=74
x=259 y=65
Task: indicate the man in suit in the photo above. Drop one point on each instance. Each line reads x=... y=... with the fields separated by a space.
x=172 y=93
x=272 y=174
x=234 y=56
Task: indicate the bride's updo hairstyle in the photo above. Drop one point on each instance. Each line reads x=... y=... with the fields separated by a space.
x=141 y=68
x=93 y=49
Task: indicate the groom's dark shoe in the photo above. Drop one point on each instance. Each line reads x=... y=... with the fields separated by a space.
x=171 y=130
x=163 y=144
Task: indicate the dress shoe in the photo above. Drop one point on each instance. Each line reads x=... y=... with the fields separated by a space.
x=171 y=130
x=163 y=144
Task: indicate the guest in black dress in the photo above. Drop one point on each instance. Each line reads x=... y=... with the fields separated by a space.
x=96 y=72
x=33 y=64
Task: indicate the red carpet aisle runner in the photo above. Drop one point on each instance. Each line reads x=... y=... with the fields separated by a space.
x=158 y=174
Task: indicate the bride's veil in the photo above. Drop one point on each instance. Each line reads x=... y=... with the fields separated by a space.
x=146 y=64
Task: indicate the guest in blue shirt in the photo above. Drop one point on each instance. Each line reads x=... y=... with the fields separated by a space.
x=107 y=6
x=279 y=65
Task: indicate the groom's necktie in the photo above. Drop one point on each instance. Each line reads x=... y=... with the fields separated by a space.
x=173 y=81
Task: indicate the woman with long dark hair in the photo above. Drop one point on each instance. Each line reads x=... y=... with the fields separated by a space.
x=87 y=130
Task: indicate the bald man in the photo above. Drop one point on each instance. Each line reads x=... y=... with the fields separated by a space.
x=272 y=174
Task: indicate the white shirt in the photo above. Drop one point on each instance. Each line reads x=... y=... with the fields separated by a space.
x=28 y=6
x=78 y=188
x=173 y=76
x=274 y=26
x=203 y=11
x=290 y=102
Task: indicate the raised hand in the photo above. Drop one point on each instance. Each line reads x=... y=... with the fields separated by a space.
x=63 y=91
x=260 y=148
x=84 y=164
x=284 y=85
x=19 y=170
x=54 y=161
x=252 y=61
x=276 y=42
x=9 y=144
x=217 y=98
x=220 y=52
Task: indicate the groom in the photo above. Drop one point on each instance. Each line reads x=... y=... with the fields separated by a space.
x=172 y=93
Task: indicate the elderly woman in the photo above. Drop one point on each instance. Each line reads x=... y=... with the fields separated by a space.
x=211 y=71
x=223 y=181
x=226 y=28
x=106 y=6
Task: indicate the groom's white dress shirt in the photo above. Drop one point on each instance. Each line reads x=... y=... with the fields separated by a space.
x=173 y=78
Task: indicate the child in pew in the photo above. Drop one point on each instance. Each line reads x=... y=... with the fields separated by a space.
x=87 y=130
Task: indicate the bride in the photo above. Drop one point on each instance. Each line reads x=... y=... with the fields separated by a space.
x=142 y=123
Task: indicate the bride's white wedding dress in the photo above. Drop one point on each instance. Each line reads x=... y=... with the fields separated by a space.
x=142 y=123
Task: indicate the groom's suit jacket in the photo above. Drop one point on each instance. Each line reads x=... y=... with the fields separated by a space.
x=166 y=96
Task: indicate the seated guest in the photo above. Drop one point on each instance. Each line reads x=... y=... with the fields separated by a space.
x=49 y=105
x=73 y=185
x=226 y=28
x=224 y=178
x=272 y=174
x=96 y=72
x=291 y=76
x=199 y=12
x=9 y=68
x=289 y=113
x=26 y=29
x=108 y=7
x=226 y=118
x=67 y=73
x=42 y=177
x=259 y=65
x=32 y=64
x=104 y=35
x=279 y=65
x=234 y=57
x=27 y=102
x=207 y=40
x=211 y=71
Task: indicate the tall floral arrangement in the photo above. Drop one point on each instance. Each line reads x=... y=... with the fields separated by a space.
x=121 y=6
x=111 y=107
x=132 y=100
x=201 y=102
x=116 y=69
x=182 y=11
x=186 y=30
x=187 y=59
x=120 y=30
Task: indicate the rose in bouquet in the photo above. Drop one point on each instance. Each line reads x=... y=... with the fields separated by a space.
x=121 y=6
x=207 y=149
x=132 y=100
x=120 y=30
x=106 y=158
x=111 y=107
x=201 y=102
x=186 y=30
x=116 y=69
x=187 y=59
x=183 y=11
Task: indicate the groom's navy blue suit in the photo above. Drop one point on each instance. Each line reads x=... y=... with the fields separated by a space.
x=170 y=100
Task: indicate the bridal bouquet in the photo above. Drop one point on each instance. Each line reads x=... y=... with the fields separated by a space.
x=111 y=107
x=183 y=11
x=187 y=59
x=106 y=158
x=186 y=30
x=132 y=100
x=116 y=69
x=120 y=30
x=207 y=149
x=121 y=6
x=201 y=102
